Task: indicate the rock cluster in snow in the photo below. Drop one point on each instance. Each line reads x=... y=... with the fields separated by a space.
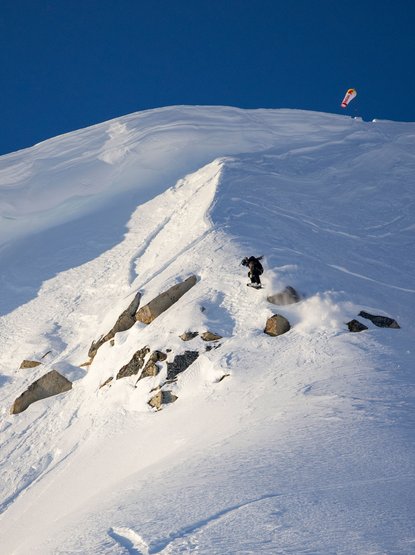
x=379 y=321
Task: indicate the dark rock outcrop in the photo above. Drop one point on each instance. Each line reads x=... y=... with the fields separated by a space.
x=135 y=365
x=211 y=347
x=125 y=321
x=288 y=296
x=165 y=300
x=29 y=364
x=355 y=326
x=210 y=336
x=48 y=385
x=380 y=321
x=277 y=325
x=181 y=363
x=137 y=362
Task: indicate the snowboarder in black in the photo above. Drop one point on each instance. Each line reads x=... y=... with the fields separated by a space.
x=255 y=270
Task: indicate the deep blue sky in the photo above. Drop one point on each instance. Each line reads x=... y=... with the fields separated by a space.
x=67 y=64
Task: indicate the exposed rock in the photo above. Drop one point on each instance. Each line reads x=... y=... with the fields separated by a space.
x=135 y=365
x=277 y=325
x=181 y=363
x=210 y=336
x=46 y=354
x=151 y=369
x=29 y=364
x=380 y=321
x=156 y=401
x=95 y=345
x=210 y=347
x=106 y=382
x=288 y=296
x=86 y=364
x=165 y=300
x=48 y=385
x=157 y=356
x=222 y=377
x=162 y=398
x=188 y=335
x=355 y=325
x=125 y=321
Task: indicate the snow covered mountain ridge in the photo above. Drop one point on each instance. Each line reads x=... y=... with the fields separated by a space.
x=307 y=445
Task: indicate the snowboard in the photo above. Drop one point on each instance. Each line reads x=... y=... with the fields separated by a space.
x=254 y=286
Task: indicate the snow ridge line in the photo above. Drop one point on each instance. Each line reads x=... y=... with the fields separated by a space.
x=208 y=187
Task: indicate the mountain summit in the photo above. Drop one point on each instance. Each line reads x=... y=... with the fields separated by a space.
x=197 y=414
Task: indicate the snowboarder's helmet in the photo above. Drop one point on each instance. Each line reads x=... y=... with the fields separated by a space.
x=245 y=261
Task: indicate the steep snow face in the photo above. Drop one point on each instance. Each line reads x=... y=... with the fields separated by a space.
x=296 y=444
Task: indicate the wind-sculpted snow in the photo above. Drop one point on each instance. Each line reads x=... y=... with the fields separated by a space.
x=301 y=443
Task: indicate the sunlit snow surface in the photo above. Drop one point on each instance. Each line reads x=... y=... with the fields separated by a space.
x=307 y=447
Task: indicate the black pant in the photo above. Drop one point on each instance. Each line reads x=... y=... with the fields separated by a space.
x=254 y=275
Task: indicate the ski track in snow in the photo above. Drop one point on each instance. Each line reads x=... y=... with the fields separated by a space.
x=130 y=540
x=211 y=186
x=186 y=537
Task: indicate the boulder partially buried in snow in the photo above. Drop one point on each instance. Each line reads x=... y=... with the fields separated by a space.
x=210 y=336
x=188 y=335
x=277 y=325
x=151 y=368
x=356 y=326
x=48 y=385
x=136 y=363
x=181 y=363
x=162 y=398
x=380 y=321
x=29 y=364
x=125 y=321
x=288 y=296
x=165 y=300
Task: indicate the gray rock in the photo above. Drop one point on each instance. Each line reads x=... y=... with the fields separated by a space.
x=288 y=296
x=181 y=363
x=380 y=321
x=125 y=321
x=135 y=365
x=356 y=326
x=29 y=364
x=210 y=336
x=277 y=325
x=48 y=385
x=165 y=300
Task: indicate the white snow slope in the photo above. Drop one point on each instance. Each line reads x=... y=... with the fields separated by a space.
x=307 y=446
